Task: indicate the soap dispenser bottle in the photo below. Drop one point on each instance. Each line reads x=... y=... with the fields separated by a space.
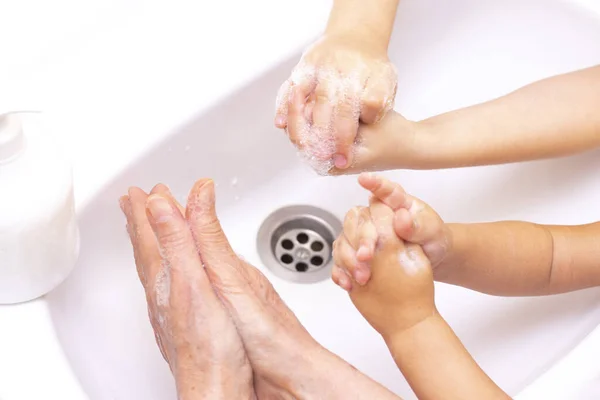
x=39 y=239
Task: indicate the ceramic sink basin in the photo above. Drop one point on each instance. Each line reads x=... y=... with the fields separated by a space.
x=449 y=55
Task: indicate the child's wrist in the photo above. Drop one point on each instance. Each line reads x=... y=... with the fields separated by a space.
x=407 y=144
x=361 y=37
x=375 y=23
x=417 y=145
x=442 y=142
x=399 y=335
x=453 y=257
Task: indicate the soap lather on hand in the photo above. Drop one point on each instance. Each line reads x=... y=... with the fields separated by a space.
x=338 y=83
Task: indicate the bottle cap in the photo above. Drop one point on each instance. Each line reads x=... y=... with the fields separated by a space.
x=12 y=139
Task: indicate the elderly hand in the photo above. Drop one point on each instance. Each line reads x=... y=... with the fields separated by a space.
x=191 y=274
x=193 y=329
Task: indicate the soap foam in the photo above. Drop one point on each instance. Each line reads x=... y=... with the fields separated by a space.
x=409 y=260
x=387 y=85
x=318 y=143
x=162 y=285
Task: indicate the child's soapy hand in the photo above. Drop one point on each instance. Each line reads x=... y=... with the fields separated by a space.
x=400 y=293
x=339 y=81
x=413 y=221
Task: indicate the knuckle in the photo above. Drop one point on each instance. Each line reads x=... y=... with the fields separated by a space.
x=364 y=215
x=322 y=93
x=173 y=239
x=322 y=97
x=345 y=110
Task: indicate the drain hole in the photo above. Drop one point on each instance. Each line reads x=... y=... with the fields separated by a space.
x=316 y=246
x=301 y=267
x=302 y=238
x=316 y=260
x=295 y=243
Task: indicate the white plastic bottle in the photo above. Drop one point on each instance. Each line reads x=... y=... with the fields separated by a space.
x=39 y=239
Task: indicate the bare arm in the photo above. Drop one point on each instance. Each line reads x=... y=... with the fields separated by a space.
x=554 y=117
x=372 y=18
x=521 y=259
x=437 y=365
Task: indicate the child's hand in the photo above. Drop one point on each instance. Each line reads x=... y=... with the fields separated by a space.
x=341 y=79
x=393 y=143
x=413 y=221
x=400 y=293
x=398 y=300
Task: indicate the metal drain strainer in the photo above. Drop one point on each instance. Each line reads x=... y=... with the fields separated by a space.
x=295 y=243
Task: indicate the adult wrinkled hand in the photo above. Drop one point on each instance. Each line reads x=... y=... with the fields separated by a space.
x=339 y=82
x=192 y=327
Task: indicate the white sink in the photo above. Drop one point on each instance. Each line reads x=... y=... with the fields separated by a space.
x=449 y=54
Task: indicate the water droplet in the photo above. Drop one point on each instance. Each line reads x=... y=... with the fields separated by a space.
x=187 y=148
x=234 y=182
x=236 y=198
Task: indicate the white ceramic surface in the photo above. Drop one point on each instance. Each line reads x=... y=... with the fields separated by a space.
x=449 y=54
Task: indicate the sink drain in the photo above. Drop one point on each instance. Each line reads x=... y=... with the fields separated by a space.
x=295 y=243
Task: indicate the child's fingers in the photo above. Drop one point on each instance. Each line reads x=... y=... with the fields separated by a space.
x=386 y=191
x=350 y=224
x=360 y=232
x=383 y=219
x=367 y=238
x=404 y=225
x=297 y=122
x=414 y=221
x=419 y=225
x=281 y=104
x=341 y=278
x=344 y=256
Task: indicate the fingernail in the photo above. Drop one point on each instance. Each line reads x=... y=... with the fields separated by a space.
x=361 y=276
x=162 y=188
x=159 y=208
x=362 y=252
x=205 y=193
x=280 y=121
x=345 y=282
x=340 y=161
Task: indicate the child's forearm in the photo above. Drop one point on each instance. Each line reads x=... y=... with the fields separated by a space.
x=550 y=118
x=437 y=366
x=522 y=259
x=372 y=19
